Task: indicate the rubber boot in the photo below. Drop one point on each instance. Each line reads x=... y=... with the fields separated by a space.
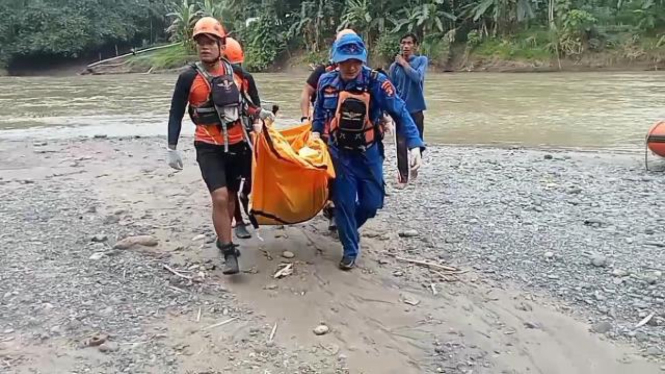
x=230 y=252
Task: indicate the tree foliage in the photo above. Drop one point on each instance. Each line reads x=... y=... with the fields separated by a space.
x=71 y=28
x=270 y=29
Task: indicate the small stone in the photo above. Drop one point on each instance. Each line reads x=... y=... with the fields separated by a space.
x=110 y=220
x=198 y=238
x=142 y=240
x=108 y=347
x=548 y=157
x=108 y=311
x=39 y=144
x=95 y=341
x=649 y=231
x=531 y=325
x=630 y=240
x=398 y=273
x=601 y=327
x=100 y=136
x=574 y=190
x=97 y=256
x=321 y=330
x=288 y=254
x=652 y=351
x=408 y=233
x=599 y=296
x=549 y=254
x=99 y=238
x=594 y=222
x=619 y=273
x=383 y=261
x=119 y=212
x=271 y=287
x=598 y=260
x=641 y=336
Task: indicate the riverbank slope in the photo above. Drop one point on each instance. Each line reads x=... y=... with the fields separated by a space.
x=491 y=56
x=559 y=255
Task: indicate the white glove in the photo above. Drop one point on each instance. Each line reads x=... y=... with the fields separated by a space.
x=416 y=159
x=175 y=161
x=315 y=136
x=266 y=114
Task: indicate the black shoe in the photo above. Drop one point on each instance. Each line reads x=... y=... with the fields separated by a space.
x=219 y=246
x=241 y=232
x=230 y=252
x=347 y=263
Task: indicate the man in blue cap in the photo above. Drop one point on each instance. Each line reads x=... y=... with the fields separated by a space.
x=350 y=102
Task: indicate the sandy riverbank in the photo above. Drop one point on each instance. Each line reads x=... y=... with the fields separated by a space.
x=560 y=253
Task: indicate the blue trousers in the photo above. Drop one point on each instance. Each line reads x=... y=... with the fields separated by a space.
x=357 y=193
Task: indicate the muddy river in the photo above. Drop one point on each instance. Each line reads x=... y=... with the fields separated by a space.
x=581 y=110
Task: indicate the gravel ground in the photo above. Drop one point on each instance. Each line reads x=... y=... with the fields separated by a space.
x=584 y=227
x=66 y=292
x=581 y=228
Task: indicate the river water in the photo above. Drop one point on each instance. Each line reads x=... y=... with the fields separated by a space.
x=580 y=110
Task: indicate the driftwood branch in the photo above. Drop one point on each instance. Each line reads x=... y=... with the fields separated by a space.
x=427 y=264
x=177 y=273
x=219 y=324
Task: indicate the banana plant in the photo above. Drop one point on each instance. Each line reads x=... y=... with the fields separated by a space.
x=183 y=17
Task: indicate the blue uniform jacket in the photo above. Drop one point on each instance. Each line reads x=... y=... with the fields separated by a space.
x=383 y=99
x=410 y=82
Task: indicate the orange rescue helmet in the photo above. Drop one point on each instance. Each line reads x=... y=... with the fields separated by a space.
x=344 y=32
x=209 y=26
x=233 y=51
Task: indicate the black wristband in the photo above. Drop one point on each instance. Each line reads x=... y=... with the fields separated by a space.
x=303 y=118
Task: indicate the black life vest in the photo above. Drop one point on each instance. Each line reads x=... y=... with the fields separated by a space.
x=225 y=103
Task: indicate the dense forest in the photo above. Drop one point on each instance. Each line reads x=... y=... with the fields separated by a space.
x=271 y=30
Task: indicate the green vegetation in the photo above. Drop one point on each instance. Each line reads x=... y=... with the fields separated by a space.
x=38 y=29
x=163 y=59
x=273 y=31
